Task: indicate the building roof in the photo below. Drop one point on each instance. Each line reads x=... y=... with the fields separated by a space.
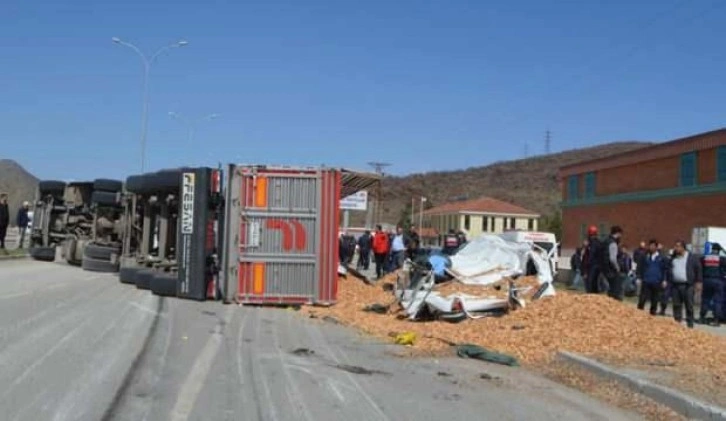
x=648 y=153
x=481 y=205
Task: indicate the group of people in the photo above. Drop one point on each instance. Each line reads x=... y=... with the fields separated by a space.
x=389 y=249
x=661 y=277
x=21 y=220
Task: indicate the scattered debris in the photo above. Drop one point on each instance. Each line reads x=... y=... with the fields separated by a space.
x=487 y=376
x=479 y=353
x=455 y=397
x=332 y=320
x=405 y=338
x=518 y=327
x=303 y=352
x=359 y=370
x=443 y=374
x=377 y=308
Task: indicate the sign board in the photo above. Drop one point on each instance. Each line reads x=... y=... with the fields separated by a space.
x=357 y=201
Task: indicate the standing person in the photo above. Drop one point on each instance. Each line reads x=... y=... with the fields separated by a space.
x=413 y=235
x=665 y=297
x=22 y=221
x=365 y=242
x=594 y=261
x=685 y=275
x=461 y=237
x=380 y=250
x=610 y=265
x=398 y=248
x=626 y=271
x=4 y=219
x=640 y=252
x=576 y=268
x=714 y=273
x=652 y=271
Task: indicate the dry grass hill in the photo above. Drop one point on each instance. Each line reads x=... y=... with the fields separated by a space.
x=531 y=183
x=18 y=183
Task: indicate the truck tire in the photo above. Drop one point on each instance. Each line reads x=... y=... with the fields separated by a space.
x=107 y=185
x=44 y=254
x=52 y=188
x=128 y=275
x=101 y=252
x=97 y=265
x=105 y=198
x=164 y=284
x=143 y=278
x=135 y=184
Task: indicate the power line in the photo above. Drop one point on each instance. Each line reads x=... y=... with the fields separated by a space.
x=548 y=142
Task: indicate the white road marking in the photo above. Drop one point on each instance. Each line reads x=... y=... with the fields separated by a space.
x=194 y=382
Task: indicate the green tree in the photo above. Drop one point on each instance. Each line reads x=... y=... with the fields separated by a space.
x=552 y=223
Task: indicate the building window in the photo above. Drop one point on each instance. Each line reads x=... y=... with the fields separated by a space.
x=573 y=187
x=583 y=233
x=688 y=169
x=485 y=224
x=602 y=232
x=589 y=185
x=511 y=223
x=530 y=224
x=721 y=163
x=467 y=222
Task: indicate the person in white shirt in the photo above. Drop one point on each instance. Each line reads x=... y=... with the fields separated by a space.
x=685 y=275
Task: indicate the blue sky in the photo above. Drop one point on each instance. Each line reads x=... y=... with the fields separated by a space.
x=425 y=85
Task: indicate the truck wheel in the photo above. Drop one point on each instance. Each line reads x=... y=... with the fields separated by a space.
x=44 y=254
x=99 y=252
x=96 y=265
x=106 y=185
x=128 y=275
x=52 y=188
x=143 y=278
x=135 y=184
x=166 y=180
x=105 y=198
x=164 y=284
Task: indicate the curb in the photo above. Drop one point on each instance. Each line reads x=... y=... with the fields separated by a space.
x=14 y=257
x=679 y=402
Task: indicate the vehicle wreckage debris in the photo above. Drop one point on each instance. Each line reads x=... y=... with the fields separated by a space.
x=359 y=370
x=305 y=352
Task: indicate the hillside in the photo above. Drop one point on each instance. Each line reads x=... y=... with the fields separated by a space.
x=18 y=183
x=531 y=183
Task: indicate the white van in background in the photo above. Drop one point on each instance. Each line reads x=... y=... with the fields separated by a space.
x=545 y=240
x=703 y=235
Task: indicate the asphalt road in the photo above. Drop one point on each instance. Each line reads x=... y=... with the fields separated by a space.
x=81 y=346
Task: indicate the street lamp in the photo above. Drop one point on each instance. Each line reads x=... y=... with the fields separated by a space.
x=147 y=65
x=191 y=124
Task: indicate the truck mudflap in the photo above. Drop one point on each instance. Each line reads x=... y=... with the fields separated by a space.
x=197 y=234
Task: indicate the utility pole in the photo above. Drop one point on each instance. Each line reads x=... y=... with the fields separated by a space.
x=548 y=141
x=378 y=168
x=526 y=150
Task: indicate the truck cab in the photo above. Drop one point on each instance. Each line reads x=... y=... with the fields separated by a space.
x=542 y=240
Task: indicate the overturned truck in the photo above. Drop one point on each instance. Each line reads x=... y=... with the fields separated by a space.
x=82 y=219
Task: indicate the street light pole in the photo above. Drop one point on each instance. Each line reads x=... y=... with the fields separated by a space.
x=147 y=66
x=191 y=124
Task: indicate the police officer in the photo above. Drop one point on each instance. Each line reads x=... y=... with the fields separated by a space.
x=714 y=275
x=610 y=265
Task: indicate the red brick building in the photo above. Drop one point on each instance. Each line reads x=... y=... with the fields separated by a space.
x=660 y=191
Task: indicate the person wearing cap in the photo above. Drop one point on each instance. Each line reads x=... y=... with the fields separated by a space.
x=22 y=220
x=714 y=273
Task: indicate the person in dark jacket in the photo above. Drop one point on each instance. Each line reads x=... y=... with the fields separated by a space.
x=714 y=274
x=22 y=220
x=665 y=297
x=593 y=261
x=652 y=272
x=365 y=244
x=576 y=268
x=4 y=219
x=640 y=252
x=685 y=275
x=610 y=265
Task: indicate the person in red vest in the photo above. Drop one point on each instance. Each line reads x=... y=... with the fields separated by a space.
x=381 y=246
